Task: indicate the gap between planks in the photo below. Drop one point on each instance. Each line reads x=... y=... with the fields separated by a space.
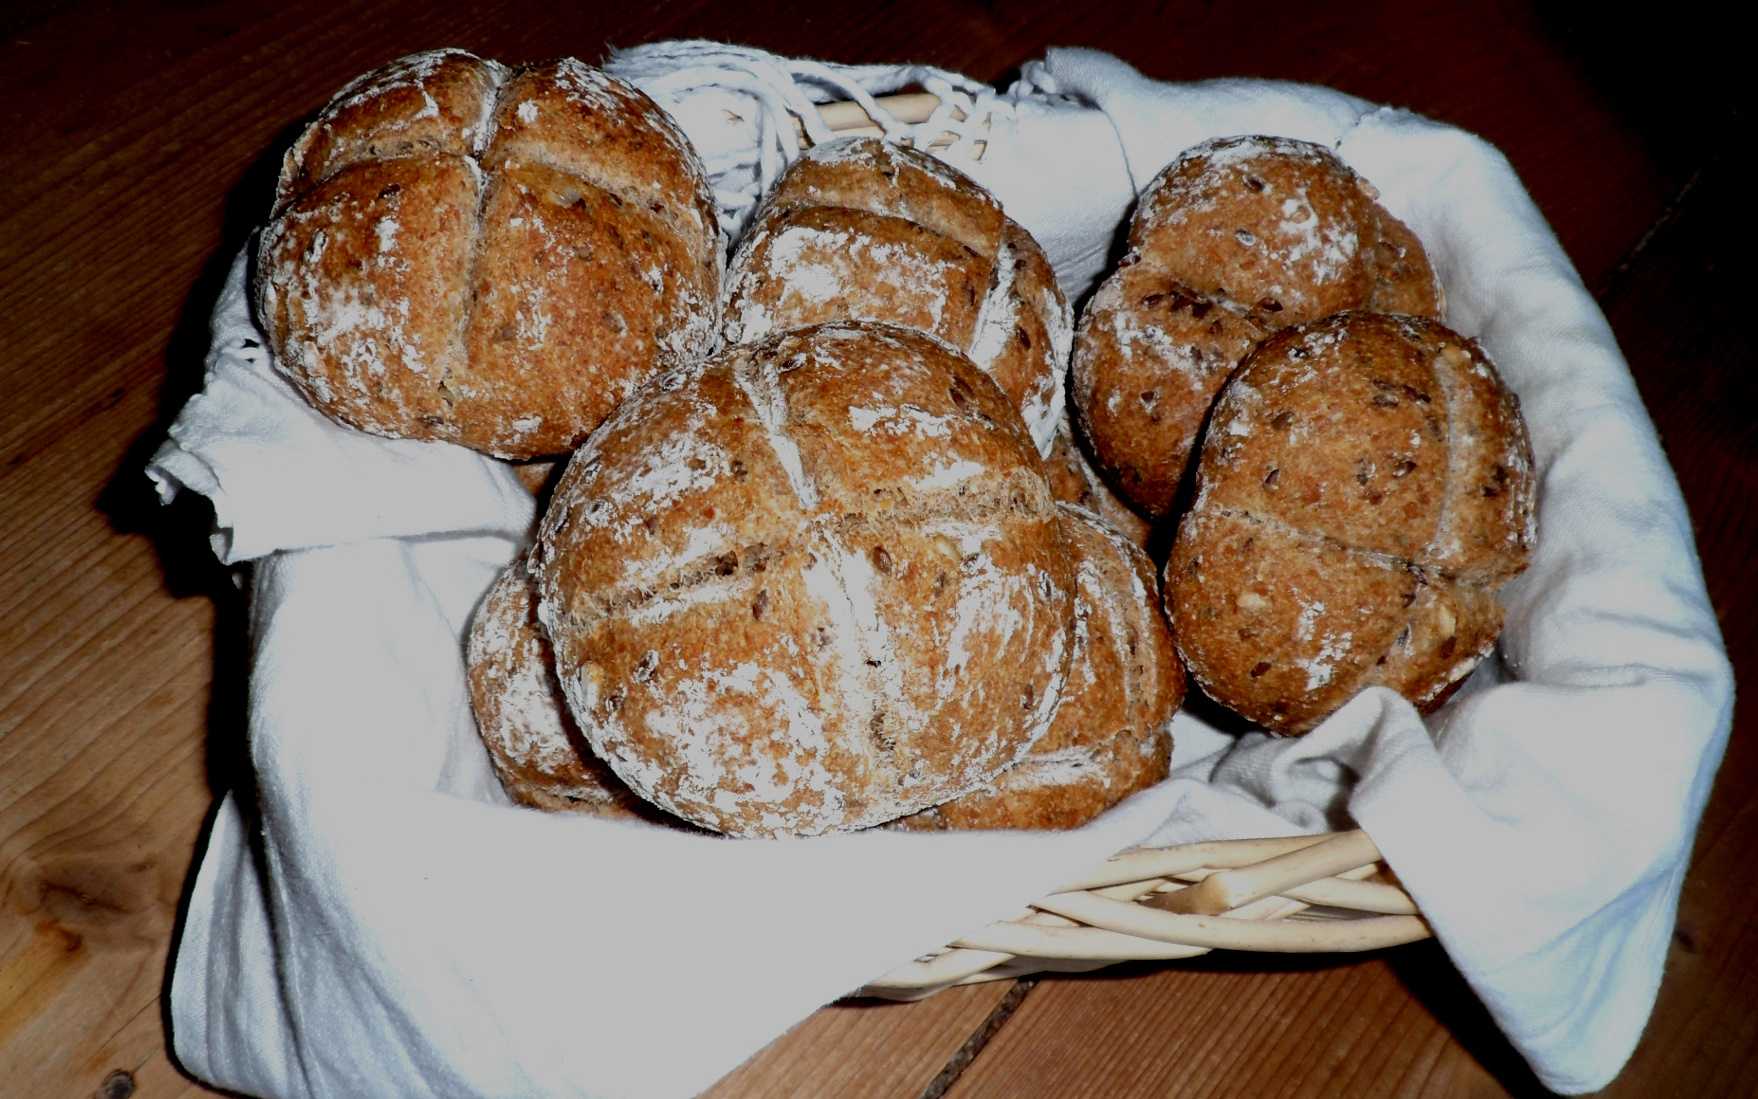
x=985 y=1032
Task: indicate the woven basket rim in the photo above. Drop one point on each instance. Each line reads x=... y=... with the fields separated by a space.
x=1296 y=894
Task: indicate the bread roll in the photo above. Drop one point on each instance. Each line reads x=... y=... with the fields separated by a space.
x=858 y=229
x=1237 y=238
x=488 y=257
x=813 y=585
x=1111 y=734
x=1365 y=486
x=532 y=740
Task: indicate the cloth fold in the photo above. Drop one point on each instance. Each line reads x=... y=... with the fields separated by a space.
x=382 y=922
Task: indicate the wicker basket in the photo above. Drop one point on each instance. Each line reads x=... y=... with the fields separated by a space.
x=1302 y=894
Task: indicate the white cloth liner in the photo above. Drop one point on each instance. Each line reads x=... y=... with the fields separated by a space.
x=384 y=923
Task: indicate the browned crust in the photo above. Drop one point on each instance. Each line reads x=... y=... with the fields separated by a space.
x=1404 y=281
x=1025 y=333
x=532 y=740
x=1278 y=226
x=1054 y=792
x=1238 y=237
x=812 y=585
x=463 y=255
x=866 y=173
x=1150 y=356
x=858 y=229
x=1365 y=487
x=1110 y=737
x=576 y=295
x=822 y=264
x=427 y=104
x=365 y=335
x=583 y=122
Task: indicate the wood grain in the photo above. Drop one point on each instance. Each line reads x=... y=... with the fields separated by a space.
x=1233 y=1028
x=140 y=147
x=865 y=1050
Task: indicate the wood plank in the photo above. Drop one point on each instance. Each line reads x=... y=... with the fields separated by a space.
x=865 y=1050
x=1239 y=1025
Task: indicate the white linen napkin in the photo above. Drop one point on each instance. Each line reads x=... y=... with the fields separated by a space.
x=382 y=922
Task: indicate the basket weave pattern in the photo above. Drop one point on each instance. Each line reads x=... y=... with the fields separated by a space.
x=1301 y=894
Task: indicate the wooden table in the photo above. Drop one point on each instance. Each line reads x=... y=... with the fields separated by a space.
x=137 y=149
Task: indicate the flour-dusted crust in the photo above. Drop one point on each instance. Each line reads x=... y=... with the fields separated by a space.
x=436 y=103
x=1277 y=226
x=1111 y=734
x=865 y=173
x=532 y=740
x=1151 y=355
x=1239 y=237
x=823 y=264
x=1365 y=486
x=858 y=229
x=487 y=257
x=814 y=584
x=1025 y=333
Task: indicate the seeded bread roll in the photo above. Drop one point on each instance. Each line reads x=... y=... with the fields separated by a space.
x=813 y=585
x=1365 y=486
x=1111 y=734
x=858 y=229
x=1149 y=359
x=1237 y=238
x=488 y=257
x=532 y=740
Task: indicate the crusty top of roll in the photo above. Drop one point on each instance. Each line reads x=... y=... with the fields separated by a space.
x=878 y=177
x=1283 y=228
x=813 y=585
x=859 y=229
x=487 y=256
x=1025 y=331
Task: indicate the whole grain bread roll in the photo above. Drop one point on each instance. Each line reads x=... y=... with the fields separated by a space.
x=1237 y=238
x=858 y=229
x=1364 y=488
x=532 y=740
x=487 y=256
x=1111 y=735
x=814 y=584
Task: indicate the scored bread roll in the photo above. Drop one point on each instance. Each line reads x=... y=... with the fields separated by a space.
x=1237 y=238
x=532 y=740
x=1364 y=488
x=812 y=585
x=487 y=256
x=1111 y=734
x=859 y=229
